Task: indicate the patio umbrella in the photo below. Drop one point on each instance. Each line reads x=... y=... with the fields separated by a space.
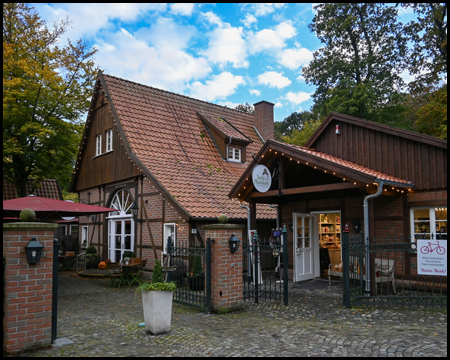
x=49 y=208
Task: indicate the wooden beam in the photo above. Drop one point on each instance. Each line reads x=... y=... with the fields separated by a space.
x=306 y=189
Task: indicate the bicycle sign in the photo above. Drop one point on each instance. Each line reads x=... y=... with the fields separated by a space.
x=432 y=257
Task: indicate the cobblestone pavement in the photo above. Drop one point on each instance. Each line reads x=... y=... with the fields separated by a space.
x=103 y=321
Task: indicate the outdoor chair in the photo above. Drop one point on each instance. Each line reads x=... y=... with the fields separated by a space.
x=115 y=274
x=137 y=273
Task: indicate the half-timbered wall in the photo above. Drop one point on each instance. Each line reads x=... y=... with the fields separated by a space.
x=424 y=164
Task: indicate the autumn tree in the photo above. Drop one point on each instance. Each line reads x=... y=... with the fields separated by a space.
x=357 y=71
x=46 y=89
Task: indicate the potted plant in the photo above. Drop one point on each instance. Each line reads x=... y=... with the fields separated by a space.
x=128 y=255
x=157 y=299
x=196 y=278
x=91 y=257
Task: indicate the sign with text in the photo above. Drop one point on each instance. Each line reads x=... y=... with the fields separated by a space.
x=432 y=257
x=261 y=178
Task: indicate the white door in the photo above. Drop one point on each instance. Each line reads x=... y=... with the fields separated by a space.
x=120 y=226
x=303 y=247
x=121 y=238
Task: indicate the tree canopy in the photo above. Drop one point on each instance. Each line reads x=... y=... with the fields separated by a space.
x=46 y=89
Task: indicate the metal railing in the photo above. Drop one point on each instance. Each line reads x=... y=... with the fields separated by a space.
x=77 y=261
x=384 y=273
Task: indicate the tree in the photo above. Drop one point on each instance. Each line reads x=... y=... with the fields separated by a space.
x=300 y=137
x=357 y=71
x=46 y=89
x=295 y=121
x=247 y=108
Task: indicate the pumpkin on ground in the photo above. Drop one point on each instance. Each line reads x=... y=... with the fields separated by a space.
x=102 y=265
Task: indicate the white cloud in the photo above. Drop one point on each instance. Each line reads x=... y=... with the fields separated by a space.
x=273 y=79
x=262 y=9
x=295 y=58
x=212 y=18
x=249 y=20
x=255 y=92
x=298 y=97
x=219 y=87
x=184 y=9
x=131 y=58
x=226 y=46
x=271 y=39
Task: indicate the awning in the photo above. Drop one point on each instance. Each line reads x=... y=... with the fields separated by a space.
x=50 y=208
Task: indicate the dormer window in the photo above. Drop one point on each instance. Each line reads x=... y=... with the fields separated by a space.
x=98 y=144
x=234 y=154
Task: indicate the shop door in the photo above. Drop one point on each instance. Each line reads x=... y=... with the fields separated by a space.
x=121 y=238
x=303 y=248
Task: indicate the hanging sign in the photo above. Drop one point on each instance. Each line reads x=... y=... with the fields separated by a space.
x=432 y=257
x=261 y=178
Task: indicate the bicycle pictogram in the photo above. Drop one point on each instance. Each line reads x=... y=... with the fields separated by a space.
x=429 y=248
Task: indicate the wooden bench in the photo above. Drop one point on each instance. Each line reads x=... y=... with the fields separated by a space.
x=384 y=271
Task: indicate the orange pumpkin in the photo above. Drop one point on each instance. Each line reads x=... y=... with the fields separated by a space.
x=102 y=265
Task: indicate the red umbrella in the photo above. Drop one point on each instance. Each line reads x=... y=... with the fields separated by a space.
x=45 y=208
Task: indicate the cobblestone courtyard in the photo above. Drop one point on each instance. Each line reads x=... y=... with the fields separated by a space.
x=101 y=321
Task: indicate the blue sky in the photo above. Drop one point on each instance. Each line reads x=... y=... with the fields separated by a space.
x=227 y=54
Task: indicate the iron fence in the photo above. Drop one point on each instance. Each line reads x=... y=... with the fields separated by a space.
x=265 y=268
x=192 y=288
x=384 y=272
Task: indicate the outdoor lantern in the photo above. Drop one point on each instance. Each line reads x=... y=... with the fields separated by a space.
x=234 y=243
x=34 y=251
x=134 y=209
x=356 y=226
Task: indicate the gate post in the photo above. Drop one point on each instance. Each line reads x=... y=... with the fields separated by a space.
x=55 y=290
x=208 y=274
x=285 y=266
x=346 y=267
x=256 y=265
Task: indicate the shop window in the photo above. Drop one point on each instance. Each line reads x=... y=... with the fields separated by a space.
x=429 y=223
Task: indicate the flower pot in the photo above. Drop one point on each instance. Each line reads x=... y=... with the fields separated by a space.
x=196 y=283
x=157 y=307
x=92 y=262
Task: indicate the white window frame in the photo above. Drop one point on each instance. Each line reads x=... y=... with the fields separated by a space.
x=169 y=230
x=84 y=236
x=73 y=229
x=433 y=222
x=98 y=145
x=109 y=140
x=234 y=154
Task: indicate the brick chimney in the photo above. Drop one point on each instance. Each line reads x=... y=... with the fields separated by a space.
x=264 y=119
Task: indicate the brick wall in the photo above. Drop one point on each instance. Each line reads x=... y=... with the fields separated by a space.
x=226 y=268
x=27 y=302
x=264 y=119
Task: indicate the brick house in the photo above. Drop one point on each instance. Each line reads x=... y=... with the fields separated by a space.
x=400 y=176
x=173 y=157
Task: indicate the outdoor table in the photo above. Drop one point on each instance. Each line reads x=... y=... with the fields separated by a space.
x=126 y=269
x=62 y=260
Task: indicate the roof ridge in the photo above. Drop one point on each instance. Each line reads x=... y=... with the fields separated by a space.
x=181 y=95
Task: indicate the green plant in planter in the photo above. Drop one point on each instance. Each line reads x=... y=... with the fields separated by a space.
x=91 y=257
x=197 y=269
x=128 y=254
x=157 y=283
x=196 y=278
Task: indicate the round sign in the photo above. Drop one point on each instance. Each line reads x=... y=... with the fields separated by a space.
x=261 y=178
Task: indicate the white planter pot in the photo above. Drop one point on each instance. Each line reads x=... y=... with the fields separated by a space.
x=157 y=307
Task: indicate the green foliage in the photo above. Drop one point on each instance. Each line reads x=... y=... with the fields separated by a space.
x=295 y=121
x=197 y=269
x=157 y=287
x=157 y=276
x=301 y=137
x=357 y=70
x=91 y=252
x=247 y=108
x=45 y=92
x=128 y=254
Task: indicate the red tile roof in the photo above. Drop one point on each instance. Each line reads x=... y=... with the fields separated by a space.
x=47 y=189
x=165 y=132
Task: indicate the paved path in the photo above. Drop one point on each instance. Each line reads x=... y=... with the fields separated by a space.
x=104 y=322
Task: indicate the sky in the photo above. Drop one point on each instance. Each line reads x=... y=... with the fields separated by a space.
x=227 y=54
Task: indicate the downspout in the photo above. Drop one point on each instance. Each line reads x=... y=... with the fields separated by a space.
x=366 y=228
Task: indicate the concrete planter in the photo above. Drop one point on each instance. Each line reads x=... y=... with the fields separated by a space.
x=157 y=311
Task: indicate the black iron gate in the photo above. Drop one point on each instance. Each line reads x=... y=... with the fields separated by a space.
x=265 y=267
x=384 y=272
x=190 y=268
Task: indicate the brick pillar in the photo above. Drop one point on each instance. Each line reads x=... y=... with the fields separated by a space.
x=226 y=268
x=27 y=303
